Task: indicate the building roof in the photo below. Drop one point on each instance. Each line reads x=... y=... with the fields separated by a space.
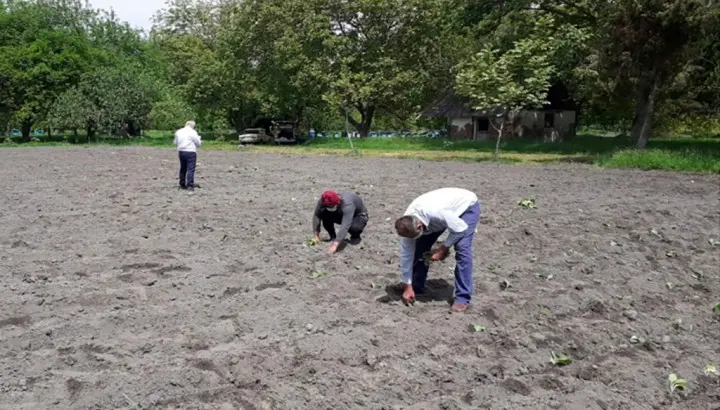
x=451 y=104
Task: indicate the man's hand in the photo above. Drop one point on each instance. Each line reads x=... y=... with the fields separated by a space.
x=439 y=254
x=408 y=295
x=333 y=248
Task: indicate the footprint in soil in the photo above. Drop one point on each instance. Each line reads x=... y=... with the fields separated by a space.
x=74 y=387
x=436 y=290
x=516 y=386
x=18 y=321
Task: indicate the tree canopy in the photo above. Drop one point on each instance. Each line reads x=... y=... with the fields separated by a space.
x=637 y=65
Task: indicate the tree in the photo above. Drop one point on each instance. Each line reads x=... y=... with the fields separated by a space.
x=504 y=83
x=41 y=55
x=117 y=101
x=647 y=44
x=383 y=56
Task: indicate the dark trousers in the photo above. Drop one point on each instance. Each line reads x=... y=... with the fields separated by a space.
x=187 y=168
x=329 y=219
x=463 y=257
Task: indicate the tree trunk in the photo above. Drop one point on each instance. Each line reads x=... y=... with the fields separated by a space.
x=132 y=129
x=90 y=133
x=500 y=130
x=646 y=118
x=366 y=119
x=26 y=128
x=637 y=122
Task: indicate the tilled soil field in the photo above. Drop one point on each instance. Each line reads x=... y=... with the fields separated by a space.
x=120 y=291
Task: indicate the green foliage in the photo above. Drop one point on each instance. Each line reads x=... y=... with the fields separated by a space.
x=171 y=112
x=677 y=383
x=560 y=359
x=692 y=160
x=638 y=66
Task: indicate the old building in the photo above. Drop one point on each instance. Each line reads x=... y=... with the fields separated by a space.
x=554 y=122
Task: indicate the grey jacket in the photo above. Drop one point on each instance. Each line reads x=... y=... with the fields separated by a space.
x=350 y=206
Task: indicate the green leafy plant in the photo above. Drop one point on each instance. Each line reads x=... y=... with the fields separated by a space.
x=312 y=242
x=477 y=328
x=710 y=369
x=560 y=359
x=527 y=203
x=677 y=383
x=427 y=256
x=318 y=274
x=716 y=309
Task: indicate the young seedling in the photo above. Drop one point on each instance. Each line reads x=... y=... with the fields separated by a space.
x=312 y=242
x=678 y=324
x=317 y=274
x=710 y=369
x=560 y=359
x=677 y=383
x=527 y=203
x=716 y=309
x=477 y=328
x=426 y=258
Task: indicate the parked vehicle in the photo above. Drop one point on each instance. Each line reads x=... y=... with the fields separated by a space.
x=254 y=135
x=286 y=132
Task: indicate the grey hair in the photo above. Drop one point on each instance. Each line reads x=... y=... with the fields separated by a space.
x=190 y=124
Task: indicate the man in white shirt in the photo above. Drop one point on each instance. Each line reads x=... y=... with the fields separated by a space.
x=187 y=141
x=428 y=216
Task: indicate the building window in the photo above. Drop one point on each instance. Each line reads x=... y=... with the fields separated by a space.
x=483 y=124
x=549 y=120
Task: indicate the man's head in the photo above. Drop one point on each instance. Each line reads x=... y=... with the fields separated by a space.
x=409 y=227
x=190 y=124
x=330 y=200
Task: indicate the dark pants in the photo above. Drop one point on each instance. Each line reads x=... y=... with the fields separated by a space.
x=187 y=168
x=329 y=219
x=463 y=257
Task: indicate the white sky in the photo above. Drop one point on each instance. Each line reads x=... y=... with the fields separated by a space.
x=136 y=12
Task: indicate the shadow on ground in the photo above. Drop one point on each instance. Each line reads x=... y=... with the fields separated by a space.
x=436 y=290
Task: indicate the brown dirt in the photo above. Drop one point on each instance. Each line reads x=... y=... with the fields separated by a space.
x=120 y=291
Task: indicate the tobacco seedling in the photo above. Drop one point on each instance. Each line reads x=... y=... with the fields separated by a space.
x=710 y=369
x=505 y=285
x=527 y=203
x=677 y=383
x=317 y=274
x=716 y=309
x=560 y=359
x=312 y=242
x=477 y=328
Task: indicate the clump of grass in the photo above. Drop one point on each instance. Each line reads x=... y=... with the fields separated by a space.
x=662 y=159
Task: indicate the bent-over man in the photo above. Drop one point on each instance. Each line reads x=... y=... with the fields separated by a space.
x=187 y=141
x=428 y=216
x=343 y=208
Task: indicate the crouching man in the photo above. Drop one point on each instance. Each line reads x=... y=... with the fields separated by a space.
x=428 y=216
x=343 y=208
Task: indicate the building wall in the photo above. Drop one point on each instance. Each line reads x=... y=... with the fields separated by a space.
x=528 y=124
x=461 y=128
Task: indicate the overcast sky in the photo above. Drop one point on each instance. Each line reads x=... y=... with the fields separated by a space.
x=136 y=12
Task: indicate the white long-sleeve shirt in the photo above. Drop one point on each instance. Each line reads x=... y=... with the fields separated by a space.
x=187 y=139
x=438 y=210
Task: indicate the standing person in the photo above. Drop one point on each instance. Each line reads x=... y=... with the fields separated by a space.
x=427 y=217
x=187 y=141
x=343 y=208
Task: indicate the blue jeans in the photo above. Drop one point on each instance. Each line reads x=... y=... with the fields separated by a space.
x=463 y=257
x=187 y=168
